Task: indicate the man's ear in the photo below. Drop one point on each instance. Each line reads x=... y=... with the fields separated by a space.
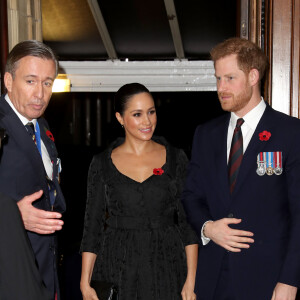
x=253 y=77
x=8 y=81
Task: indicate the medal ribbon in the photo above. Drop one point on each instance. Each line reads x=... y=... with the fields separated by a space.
x=270 y=158
x=278 y=159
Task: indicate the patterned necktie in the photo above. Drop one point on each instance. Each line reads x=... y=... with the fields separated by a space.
x=30 y=128
x=236 y=154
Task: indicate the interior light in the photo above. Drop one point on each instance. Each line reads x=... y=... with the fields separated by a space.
x=61 y=84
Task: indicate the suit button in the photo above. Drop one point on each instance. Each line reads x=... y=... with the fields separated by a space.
x=230 y=215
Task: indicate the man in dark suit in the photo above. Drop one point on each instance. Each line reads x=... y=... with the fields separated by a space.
x=19 y=276
x=242 y=193
x=29 y=161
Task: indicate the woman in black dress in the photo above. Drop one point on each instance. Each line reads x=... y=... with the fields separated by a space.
x=135 y=232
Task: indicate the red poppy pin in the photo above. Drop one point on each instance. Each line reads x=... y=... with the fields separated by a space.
x=50 y=135
x=158 y=171
x=265 y=135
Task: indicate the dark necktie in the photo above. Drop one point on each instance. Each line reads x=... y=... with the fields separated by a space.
x=30 y=128
x=236 y=154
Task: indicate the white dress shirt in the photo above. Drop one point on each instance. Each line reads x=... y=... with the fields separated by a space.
x=45 y=155
x=251 y=120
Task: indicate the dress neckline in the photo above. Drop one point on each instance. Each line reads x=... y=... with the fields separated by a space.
x=119 y=141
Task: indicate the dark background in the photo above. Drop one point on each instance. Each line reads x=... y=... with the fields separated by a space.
x=139 y=29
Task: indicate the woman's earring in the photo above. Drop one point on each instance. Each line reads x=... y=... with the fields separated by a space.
x=122 y=125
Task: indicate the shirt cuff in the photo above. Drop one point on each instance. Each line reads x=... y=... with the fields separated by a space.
x=205 y=240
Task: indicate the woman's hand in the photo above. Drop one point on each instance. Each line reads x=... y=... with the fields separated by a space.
x=187 y=292
x=88 y=261
x=88 y=293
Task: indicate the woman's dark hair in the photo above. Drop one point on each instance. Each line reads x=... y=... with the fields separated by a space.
x=125 y=93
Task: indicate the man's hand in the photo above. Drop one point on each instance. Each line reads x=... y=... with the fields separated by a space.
x=284 y=292
x=226 y=237
x=38 y=220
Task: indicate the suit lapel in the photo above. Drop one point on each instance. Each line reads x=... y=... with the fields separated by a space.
x=255 y=146
x=49 y=144
x=220 y=144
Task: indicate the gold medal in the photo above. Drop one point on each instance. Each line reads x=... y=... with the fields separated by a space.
x=269 y=171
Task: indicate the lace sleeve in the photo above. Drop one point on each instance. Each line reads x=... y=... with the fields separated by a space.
x=95 y=209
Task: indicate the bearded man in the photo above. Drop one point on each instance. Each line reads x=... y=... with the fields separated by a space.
x=242 y=193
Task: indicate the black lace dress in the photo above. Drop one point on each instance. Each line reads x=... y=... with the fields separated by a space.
x=138 y=230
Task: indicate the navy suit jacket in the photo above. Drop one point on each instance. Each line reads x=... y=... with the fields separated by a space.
x=22 y=173
x=269 y=206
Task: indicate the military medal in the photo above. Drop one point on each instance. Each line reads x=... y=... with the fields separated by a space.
x=269 y=170
x=261 y=164
x=278 y=163
x=269 y=163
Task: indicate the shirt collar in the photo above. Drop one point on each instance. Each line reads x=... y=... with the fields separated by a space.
x=22 y=118
x=252 y=117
